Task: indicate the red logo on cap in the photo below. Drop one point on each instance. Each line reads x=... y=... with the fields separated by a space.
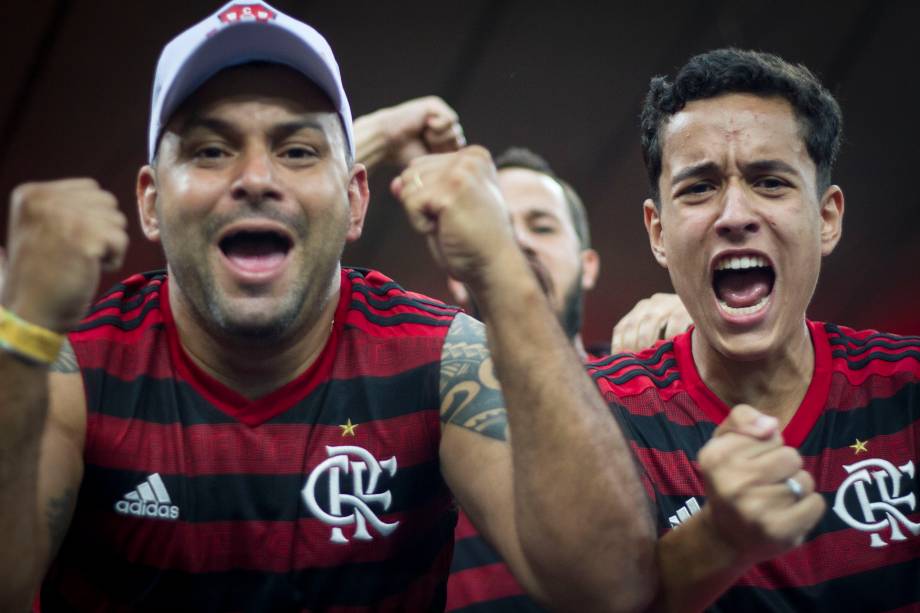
x=246 y=12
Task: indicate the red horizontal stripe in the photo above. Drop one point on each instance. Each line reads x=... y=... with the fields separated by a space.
x=848 y=392
x=831 y=556
x=671 y=471
x=361 y=354
x=481 y=584
x=268 y=546
x=465 y=528
x=235 y=448
x=126 y=355
x=676 y=405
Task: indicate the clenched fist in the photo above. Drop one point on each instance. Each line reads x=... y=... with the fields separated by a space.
x=749 y=501
x=454 y=200
x=62 y=235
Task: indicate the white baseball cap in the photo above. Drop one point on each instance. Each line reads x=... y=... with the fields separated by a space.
x=238 y=33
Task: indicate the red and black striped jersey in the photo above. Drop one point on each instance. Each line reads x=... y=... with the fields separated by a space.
x=858 y=431
x=325 y=494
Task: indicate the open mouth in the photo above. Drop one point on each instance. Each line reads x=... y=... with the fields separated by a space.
x=743 y=284
x=256 y=250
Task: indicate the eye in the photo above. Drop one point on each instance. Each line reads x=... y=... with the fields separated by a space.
x=211 y=152
x=543 y=229
x=770 y=185
x=696 y=192
x=298 y=153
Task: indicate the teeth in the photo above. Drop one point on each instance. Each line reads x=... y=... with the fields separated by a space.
x=742 y=262
x=745 y=310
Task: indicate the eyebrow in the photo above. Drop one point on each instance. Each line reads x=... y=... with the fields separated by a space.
x=752 y=168
x=697 y=170
x=277 y=132
x=769 y=166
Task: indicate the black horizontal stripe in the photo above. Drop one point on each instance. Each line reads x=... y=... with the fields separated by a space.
x=125 y=305
x=254 y=497
x=835 y=330
x=331 y=403
x=660 y=383
x=653 y=359
x=861 y=349
x=391 y=301
x=881 y=417
x=878 y=355
x=122 y=287
x=385 y=288
x=881 y=589
x=659 y=433
x=473 y=552
x=143 y=588
x=399 y=318
x=125 y=325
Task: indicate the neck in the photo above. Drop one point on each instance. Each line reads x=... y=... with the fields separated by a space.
x=255 y=369
x=774 y=384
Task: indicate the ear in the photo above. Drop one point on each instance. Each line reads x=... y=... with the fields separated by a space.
x=590 y=268
x=655 y=231
x=146 y=191
x=832 y=205
x=358 y=197
x=458 y=293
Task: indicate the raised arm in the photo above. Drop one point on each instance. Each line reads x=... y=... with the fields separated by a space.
x=563 y=504
x=751 y=514
x=60 y=235
x=396 y=135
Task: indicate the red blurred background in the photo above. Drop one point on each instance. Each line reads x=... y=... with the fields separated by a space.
x=565 y=79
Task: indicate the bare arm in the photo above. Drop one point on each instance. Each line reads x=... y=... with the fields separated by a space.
x=398 y=134
x=41 y=464
x=62 y=234
x=563 y=504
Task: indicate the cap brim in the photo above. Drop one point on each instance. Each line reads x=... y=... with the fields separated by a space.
x=243 y=43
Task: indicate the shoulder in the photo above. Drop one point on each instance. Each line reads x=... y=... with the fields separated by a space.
x=378 y=304
x=654 y=368
x=871 y=351
x=125 y=307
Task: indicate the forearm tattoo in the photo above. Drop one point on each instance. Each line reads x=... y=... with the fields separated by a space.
x=66 y=361
x=57 y=513
x=470 y=394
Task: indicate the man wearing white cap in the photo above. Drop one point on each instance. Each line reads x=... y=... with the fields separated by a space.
x=260 y=429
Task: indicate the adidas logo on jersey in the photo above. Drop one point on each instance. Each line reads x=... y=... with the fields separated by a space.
x=691 y=507
x=149 y=499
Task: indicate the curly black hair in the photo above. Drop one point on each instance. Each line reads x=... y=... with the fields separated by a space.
x=724 y=71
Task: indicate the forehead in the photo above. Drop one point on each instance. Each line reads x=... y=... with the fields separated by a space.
x=527 y=191
x=744 y=126
x=270 y=85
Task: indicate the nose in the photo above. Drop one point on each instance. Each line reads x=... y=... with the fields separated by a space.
x=255 y=181
x=738 y=217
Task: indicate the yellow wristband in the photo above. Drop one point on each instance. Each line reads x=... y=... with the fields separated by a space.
x=27 y=340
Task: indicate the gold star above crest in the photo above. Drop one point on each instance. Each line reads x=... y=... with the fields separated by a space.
x=348 y=428
x=860 y=447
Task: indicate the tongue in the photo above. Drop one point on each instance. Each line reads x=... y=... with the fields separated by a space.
x=740 y=289
x=255 y=256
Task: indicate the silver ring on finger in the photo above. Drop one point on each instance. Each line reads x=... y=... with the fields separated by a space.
x=796 y=488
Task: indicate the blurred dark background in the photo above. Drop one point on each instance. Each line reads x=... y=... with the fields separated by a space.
x=565 y=79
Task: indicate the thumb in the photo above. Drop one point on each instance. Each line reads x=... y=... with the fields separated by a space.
x=745 y=419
